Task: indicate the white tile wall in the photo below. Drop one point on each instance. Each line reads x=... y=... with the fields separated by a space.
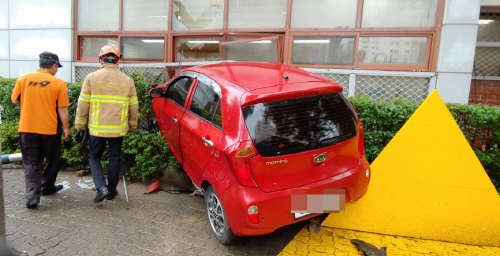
x=18 y=68
x=4 y=68
x=32 y=14
x=4 y=14
x=4 y=45
x=28 y=44
x=461 y=11
x=457 y=48
x=454 y=87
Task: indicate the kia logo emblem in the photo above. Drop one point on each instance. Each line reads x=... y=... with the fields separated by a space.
x=320 y=158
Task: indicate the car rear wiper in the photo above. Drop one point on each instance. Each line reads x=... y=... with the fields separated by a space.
x=334 y=139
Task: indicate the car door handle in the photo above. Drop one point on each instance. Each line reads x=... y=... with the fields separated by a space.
x=175 y=119
x=209 y=142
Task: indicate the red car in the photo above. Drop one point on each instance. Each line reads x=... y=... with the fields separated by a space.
x=249 y=134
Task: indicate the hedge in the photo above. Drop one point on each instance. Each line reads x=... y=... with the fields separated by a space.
x=146 y=154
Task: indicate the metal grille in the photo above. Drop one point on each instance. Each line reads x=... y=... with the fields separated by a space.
x=487 y=57
x=489 y=27
x=341 y=79
x=487 y=61
x=153 y=74
x=392 y=87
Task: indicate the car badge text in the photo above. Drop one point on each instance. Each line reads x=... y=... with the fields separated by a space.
x=283 y=161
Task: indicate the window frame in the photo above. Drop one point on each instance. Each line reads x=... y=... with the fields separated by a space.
x=201 y=77
x=171 y=36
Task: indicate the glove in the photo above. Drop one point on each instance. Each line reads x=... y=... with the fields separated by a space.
x=81 y=136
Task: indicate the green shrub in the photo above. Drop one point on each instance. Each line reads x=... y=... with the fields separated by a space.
x=147 y=154
x=480 y=125
x=10 y=137
x=10 y=111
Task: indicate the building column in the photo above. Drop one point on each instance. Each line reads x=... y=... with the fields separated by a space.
x=456 y=49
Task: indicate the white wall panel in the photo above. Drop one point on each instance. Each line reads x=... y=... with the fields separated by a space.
x=4 y=45
x=4 y=14
x=30 y=14
x=4 y=69
x=17 y=68
x=457 y=48
x=461 y=11
x=28 y=44
x=454 y=87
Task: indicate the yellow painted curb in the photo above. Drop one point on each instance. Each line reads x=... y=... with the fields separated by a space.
x=427 y=183
x=332 y=241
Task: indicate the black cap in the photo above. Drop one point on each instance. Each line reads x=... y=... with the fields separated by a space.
x=50 y=56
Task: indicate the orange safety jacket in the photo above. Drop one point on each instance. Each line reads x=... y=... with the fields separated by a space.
x=107 y=103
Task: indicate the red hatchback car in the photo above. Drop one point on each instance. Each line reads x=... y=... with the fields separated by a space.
x=249 y=134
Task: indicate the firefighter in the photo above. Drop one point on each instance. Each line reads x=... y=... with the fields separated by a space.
x=108 y=106
x=43 y=98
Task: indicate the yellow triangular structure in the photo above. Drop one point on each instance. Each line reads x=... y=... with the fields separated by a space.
x=427 y=183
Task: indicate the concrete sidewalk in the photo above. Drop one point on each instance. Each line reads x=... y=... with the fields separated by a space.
x=68 y=223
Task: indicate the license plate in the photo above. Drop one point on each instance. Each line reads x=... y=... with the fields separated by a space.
x=299 y=215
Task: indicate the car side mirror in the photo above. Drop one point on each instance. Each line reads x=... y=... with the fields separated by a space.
x=156 y=93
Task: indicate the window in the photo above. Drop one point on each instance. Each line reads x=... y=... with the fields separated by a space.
x=197 y=14
x=92 y=45
x=387 y=49
x=257 y=14
x=296 y=125
x=487 y=57
x=399 y=13
x=151 y=15
x=97 y=15
x=324 y=14
x=143 y=48
x=207 y=100
x=178 y=91
x=323 y=50
x=205 y=48
x=261 y=49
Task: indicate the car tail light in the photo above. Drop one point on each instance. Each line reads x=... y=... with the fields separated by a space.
x=239 y=155
x=253 y=214
x=361 y=141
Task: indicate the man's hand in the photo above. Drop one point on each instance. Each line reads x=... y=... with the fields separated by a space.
x=67 y=133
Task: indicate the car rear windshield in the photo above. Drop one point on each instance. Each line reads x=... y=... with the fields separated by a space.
x=297 y=125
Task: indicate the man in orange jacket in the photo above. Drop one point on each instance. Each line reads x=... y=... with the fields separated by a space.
x=42 y=97
x=108 y=105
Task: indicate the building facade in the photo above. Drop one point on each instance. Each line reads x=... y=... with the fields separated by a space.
x=381 y=48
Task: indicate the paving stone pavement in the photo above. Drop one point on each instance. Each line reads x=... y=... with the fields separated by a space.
x=68 y=223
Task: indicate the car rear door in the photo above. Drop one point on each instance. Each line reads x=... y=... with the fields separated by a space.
x=301 y=140
x=173 y=109
x=201 y=126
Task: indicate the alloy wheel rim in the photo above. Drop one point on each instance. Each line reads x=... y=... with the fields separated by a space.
x=215 y=214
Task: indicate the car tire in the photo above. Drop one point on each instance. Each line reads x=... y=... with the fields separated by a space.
x=217 y=218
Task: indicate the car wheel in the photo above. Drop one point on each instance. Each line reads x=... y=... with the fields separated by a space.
x=217 y=218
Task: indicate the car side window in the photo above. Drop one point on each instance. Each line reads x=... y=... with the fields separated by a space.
x=178 y=90
x=206 y=102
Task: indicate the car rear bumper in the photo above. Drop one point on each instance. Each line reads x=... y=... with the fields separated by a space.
x=275 y=207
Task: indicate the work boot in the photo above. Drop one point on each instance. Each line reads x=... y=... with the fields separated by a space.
x=32 y=203
x=101 y=194
x=52 y=190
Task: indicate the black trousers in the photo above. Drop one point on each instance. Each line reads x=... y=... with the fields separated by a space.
x=34 y=148
x=96 y=149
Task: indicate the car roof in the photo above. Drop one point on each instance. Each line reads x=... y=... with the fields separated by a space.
x=256 y=75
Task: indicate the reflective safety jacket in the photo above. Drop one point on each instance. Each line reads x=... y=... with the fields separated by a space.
x=108 y=103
